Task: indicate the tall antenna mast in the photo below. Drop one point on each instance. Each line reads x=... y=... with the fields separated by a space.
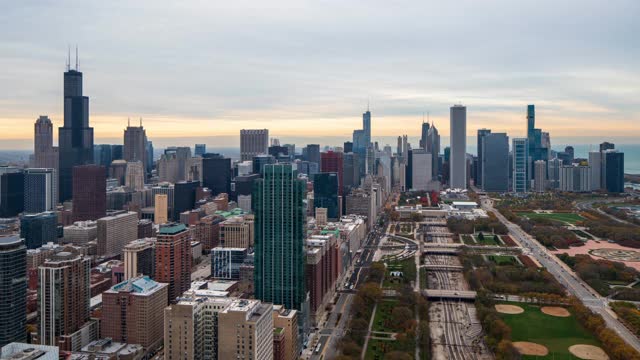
x=140 y=121
x=76 y=57
x=128 y=122
x=68 y=57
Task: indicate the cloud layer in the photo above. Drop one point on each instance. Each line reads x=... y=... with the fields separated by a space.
x=209 y=68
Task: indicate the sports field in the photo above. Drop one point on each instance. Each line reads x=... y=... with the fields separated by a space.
x=556 y=333
x=570 y=218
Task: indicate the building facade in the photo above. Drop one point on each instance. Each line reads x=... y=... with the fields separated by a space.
x=173 y=259
x=253 y=142
x=13 y=286
x=135 y=312
x=458 y=156
x=280 y=218
x=89 y=192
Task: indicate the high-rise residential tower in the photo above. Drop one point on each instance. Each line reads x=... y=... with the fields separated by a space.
x=173 y=259
x=63 y=296
x=520 y=150
x=458 y=157
x=75 y=138
x=280 y=218
x=13 y=282
x=253 y=142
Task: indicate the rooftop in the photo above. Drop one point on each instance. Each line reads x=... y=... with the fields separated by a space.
x=138 y=285
x=172 y=229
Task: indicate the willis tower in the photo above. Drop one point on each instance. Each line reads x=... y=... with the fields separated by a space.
x=75 y=137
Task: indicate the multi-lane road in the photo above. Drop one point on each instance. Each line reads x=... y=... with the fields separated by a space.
x=334 y=328
x=565 y=276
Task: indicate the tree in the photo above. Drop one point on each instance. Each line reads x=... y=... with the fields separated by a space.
x=481 y=236
x=370 y=293
x=397 y=355
x=376 y=271
x=400 y=315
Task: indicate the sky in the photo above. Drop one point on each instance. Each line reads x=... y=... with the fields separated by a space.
x=308 y=69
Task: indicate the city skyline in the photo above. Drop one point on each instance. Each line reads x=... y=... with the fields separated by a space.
x=409 y=61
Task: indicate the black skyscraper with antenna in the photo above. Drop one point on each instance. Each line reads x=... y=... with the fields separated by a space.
x=75 y=137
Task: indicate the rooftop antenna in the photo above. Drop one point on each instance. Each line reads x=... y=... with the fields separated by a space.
x=68 y=57
x=76 y=57
x=128 y=122
x=141 y=121
x=368 y=100
x=423 y=117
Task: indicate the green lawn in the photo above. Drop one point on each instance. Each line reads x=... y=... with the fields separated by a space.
x=383 y=315
x=570 y=218
x=377 y=348
x=408 y=268
x=488 y=239
x=503 y=260
x=556 y=333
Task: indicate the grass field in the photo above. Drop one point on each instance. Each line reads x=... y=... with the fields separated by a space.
x=383 y=314
x=556 y=333
x=377 y=348
x=488 y=239
x=570 y=218
x=503 y=260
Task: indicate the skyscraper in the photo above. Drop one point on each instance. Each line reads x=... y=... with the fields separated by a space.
x=135 y=144
x=325 y=193
x=433 y=147
x=45 y=155
x=495 y=162
x=313 y=153
x=173 y=259
x=184 y=197
x=595 y=162
x=458 y=157
x=423 y=135
x=613 y=171
x=520 y=165
x=253 y=142
x=200 y=149
x=540 y=175
x=366 y=127
x=40 y=190
x=89 y=192
x=75 y=138
x=63 y=297
x=280 y=218
x=11 y=191
x=134 y=176
x=331 y=161
x=216 y=173
x=535 y=142
x=38 y=229
x=478 y=173
x=161 y=209
x=13 y=282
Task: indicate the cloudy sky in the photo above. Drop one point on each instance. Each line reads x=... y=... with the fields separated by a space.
x=308 y=68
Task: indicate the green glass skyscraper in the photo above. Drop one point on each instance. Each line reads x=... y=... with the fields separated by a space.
x=280 y=218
